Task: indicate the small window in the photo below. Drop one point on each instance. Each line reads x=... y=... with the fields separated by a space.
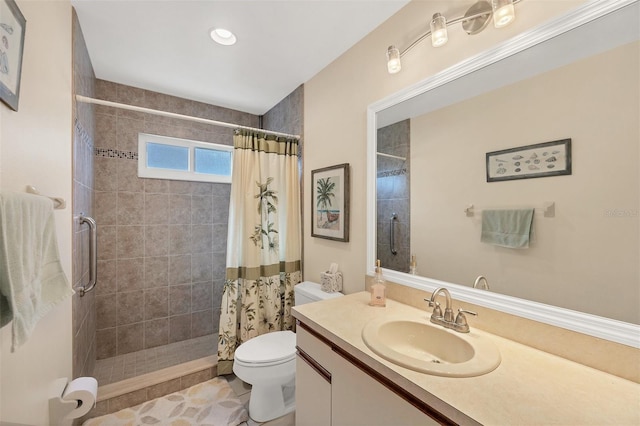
x=163 y=157
x=213 y=161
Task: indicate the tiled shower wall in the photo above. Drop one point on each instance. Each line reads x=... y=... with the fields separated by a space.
x=288 y=117
x=162 y=243
x=84 y=312
x=393 y=196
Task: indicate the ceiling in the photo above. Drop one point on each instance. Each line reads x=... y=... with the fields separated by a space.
x=164 y=45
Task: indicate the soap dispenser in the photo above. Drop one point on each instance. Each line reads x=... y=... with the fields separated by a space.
x=378 y=288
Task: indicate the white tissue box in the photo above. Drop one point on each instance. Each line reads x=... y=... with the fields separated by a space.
x=331 y=283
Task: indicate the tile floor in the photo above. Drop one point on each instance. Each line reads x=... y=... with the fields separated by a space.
x=111 y=370
x=243 y=391
x=122 y=367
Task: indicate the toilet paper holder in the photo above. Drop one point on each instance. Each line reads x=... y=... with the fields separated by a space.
x=62 y=410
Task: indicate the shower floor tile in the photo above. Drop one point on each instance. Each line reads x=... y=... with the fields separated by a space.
x=121 y=367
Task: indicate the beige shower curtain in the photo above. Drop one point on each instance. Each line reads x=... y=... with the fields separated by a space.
x=264 y=240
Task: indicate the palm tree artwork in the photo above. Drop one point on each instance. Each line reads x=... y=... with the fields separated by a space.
x=267 y=200
x=324 y=196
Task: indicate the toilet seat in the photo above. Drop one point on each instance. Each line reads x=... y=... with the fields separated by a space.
x=267 y=349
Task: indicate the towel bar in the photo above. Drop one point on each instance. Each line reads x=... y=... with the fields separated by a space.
x=548 y=210
x=58 y=202
x=93 y=254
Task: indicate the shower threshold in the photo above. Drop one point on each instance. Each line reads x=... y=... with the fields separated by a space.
x=127 y=366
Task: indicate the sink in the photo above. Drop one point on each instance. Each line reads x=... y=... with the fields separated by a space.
x=427 y=348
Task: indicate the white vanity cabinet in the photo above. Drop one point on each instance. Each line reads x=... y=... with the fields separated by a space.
x=313 y=381
x=334 y=388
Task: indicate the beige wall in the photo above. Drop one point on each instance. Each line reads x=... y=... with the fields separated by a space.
x=585 y=244
x=35 y=148
x=336 y=101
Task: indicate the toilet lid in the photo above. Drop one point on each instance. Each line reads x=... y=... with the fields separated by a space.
x=267 y=348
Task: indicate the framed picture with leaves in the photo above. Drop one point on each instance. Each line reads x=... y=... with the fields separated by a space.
x=330 y=202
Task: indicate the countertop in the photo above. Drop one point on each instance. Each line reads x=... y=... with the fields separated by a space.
x=528 y=387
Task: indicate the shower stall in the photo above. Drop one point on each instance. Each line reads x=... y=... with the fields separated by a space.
x=161 y=243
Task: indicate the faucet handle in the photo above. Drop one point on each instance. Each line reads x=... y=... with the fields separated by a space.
x=437 y=311
x=461 y=320
x=461 y=312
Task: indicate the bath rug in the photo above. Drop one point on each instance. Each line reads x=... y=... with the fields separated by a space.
x=211 y=403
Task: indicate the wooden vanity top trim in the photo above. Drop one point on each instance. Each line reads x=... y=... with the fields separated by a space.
x=389 y=384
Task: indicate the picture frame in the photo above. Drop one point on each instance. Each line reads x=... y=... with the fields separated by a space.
x=530 y=161
x=330 y=199
x=12 y=31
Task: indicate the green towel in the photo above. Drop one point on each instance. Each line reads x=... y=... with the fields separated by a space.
x=507 y=228
x=32 y=281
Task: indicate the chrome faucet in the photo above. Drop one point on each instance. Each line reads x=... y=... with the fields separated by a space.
x=448 y=313
x=446 y=320
x=485 y=283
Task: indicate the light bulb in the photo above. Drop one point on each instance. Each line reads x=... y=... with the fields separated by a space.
x=438 y=30
x=503 y=12
x=393 y=60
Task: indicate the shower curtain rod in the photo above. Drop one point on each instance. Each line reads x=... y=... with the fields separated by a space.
x=88 y=100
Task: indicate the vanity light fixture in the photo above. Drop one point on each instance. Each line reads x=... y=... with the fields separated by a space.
x=503 y=12
x=223 y=36
x=474 y=21
x=438 y=27
x=393 y=60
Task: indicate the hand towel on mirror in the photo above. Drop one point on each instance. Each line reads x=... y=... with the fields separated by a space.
x=32 y=280
x=507 y=228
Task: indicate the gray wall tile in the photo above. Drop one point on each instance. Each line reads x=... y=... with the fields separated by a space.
x=129 y=307
x=179 y=328
x=156 y=271
x=156 y=332
x=180 y=269
x=130 y=274
x=179 y=299
x=156 y=240
x=130 y=338
x=156 y=303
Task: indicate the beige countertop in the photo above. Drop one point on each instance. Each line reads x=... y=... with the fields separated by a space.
x=528 y=387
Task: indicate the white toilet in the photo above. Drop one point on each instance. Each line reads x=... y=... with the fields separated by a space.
x=268 y=363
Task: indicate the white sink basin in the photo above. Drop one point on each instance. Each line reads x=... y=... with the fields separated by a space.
x=431 y=349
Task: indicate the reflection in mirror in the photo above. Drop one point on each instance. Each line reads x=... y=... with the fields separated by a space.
x=586 y=257
x=393 y=207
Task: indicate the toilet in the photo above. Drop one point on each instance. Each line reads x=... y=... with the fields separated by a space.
x=268 y=363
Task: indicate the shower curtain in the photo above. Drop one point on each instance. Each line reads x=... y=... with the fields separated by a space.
x=264 y=241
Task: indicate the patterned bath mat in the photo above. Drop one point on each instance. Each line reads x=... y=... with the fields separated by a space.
x=211 y=403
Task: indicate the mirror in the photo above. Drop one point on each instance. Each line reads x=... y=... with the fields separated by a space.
x=427 y=148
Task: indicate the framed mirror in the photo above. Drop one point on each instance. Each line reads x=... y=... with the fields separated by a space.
x=573 y=78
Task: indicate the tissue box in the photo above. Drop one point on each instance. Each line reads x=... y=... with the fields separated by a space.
x=331 y=283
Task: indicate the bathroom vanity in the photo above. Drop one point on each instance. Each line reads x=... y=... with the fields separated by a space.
x=341 y=381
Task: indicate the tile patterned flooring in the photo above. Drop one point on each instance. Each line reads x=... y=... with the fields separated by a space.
x=243 y=391
x=122 y=367
x=111 y=370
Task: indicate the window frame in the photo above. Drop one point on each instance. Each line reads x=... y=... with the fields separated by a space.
x=145 y=171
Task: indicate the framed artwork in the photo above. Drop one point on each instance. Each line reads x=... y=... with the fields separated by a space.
x=330 y=203
x=530 y=161
x=12 y=30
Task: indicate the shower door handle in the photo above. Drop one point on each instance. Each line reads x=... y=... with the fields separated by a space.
x=392 y=237
x=93 y=254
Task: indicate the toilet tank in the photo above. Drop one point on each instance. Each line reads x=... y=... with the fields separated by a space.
x=307 y=292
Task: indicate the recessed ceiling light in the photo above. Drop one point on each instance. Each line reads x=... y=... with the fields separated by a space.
x=222 y=36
